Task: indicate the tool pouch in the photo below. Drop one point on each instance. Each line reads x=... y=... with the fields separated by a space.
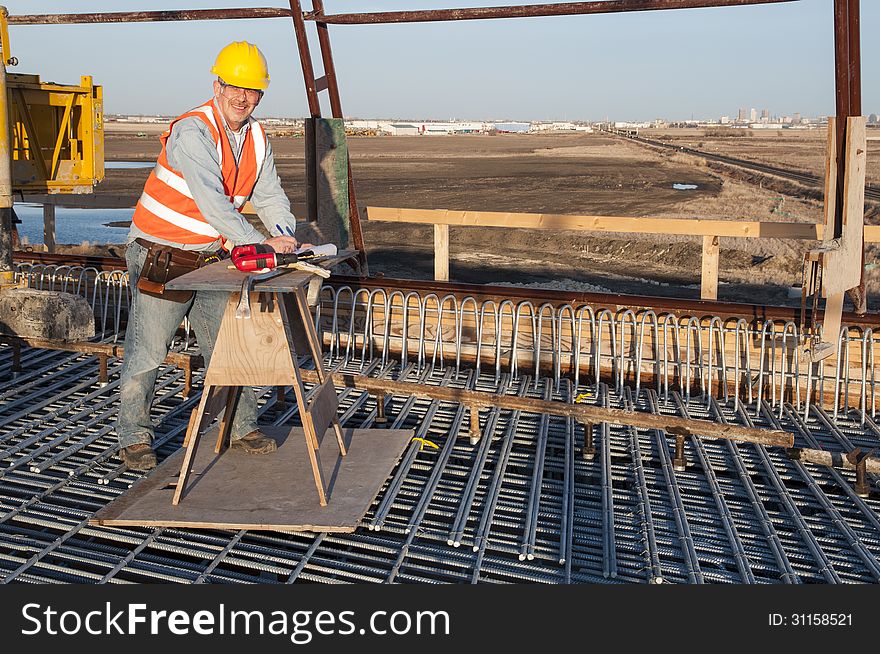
x=165 y=263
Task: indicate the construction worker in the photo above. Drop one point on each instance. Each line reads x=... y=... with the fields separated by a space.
x=213 y=159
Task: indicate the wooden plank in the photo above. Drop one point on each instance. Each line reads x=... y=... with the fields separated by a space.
x=288 y=320
x=225 y=427
x=223 y=495
x=842 y=258
x=219 y=277
x=441 y=253
x=854 y=197
x=830 y=328
x=191 y=444
x=830 y=205
x=709 y=277
x=322 y=408
x=583 y=412
x=619 y=224
x=218 y=400
x=252 y=352
x=314 y=348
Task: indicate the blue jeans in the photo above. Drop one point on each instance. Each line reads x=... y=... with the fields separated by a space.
x=152 y=323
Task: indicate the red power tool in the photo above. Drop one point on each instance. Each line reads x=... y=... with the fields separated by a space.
x=250 y=258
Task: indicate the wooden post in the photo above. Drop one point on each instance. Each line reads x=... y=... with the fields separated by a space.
x=441 y=253
x=709 y=279
x=49 y=227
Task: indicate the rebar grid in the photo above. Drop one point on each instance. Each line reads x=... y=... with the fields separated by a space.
x=521 y=504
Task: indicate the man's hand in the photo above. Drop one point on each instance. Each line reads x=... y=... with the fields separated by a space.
x=282 y=244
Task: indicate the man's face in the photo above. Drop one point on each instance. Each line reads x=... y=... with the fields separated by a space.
x=236 y=104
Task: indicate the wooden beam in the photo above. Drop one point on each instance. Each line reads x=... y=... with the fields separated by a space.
x=618 y=224
x=672 y=425
x=441 y=253
x=709 y=278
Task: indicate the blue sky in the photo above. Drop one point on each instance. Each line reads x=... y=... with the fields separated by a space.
x=672 y=64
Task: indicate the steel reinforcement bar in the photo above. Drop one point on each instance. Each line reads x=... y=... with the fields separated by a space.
x=741 y=352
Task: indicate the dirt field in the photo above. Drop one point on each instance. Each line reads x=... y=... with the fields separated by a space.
x=802 y=150
x=591 y=174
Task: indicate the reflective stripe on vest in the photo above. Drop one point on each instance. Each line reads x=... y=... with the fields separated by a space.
x=167 y=209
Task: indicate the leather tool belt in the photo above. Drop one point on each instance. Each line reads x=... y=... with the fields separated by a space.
x=164 y=263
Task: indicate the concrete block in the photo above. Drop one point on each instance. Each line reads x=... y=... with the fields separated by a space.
x=48 y=315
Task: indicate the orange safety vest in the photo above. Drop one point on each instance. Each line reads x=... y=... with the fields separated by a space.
x=166 y=208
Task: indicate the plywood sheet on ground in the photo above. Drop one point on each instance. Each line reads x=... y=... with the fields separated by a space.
x=234 y=490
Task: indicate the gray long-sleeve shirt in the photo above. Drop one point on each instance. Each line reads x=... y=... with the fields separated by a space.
x=190 y=149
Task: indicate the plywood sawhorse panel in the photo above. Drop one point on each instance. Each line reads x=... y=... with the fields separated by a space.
x=258 y=347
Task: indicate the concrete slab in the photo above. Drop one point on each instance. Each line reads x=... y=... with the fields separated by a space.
x=234 y=490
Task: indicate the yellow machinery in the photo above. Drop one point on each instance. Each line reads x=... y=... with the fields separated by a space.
x=51 y=141
x=56 y=130
x=57 y=135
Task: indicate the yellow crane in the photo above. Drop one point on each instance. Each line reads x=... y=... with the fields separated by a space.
x=51 y=139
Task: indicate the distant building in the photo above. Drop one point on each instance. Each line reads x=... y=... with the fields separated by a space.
x=512 y=127
x=454 y=127
x=400 y=129
x=874 y=119
x=557 y=126
x=753 y=116
x=724 y=120
x=743 y=114
x=362 y=124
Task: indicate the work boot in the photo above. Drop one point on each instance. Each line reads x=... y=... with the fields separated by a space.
x=138 y=457
x=254 y=443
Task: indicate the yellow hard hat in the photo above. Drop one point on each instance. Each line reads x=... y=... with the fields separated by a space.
x=242 y=64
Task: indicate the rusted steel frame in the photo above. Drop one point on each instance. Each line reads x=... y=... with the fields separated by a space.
x=847 y=60
x=327 y=58
x=336 y=110
x=305 y=58
x=526 y=11
x=100 y=263
x=675 y=306
x=673 y=425
x=148 y=16
x=848 y=93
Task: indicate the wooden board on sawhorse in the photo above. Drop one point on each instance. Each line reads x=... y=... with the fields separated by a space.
x=259 y=348
x=234 y=490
